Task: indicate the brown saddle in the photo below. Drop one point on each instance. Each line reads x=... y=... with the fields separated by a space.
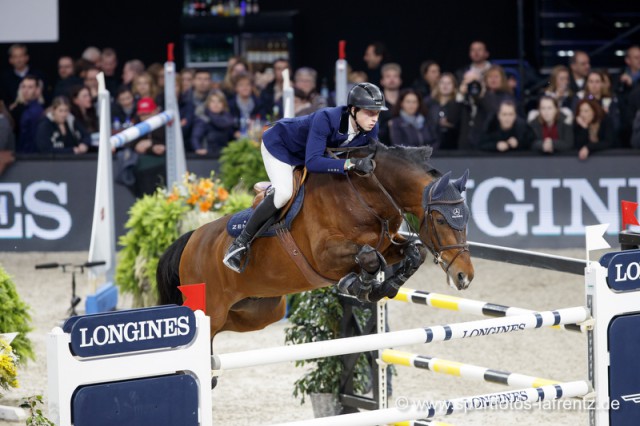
x=260 y=188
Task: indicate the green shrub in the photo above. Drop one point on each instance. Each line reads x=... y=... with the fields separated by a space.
x=241 y=162
x=15 y=317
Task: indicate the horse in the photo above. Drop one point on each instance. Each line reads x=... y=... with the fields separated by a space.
x=346 y=233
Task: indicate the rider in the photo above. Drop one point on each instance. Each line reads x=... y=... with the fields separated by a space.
x=303 y=140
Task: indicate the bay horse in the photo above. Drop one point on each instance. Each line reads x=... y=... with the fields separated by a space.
x=346 y=233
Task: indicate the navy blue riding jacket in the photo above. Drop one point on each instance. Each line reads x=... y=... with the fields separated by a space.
x=303 y=140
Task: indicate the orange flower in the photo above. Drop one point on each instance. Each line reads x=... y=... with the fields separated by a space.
x=205 y=206
x=222 y=194
x=173 y=197
x=192 y=199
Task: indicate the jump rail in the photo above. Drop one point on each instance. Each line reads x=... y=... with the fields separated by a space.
x=416 y=409
x=454 y=368
x=373 y=342
x=469 y=306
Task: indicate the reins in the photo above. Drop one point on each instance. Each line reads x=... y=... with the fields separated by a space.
x=384 y=223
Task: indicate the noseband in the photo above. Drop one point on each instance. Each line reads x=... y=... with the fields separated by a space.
x=429 y=220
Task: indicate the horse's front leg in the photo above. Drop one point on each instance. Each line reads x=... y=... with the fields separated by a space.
x=360 y=285
x=415 y=254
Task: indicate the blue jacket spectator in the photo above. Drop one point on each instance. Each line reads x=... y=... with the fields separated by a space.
x=213 y=126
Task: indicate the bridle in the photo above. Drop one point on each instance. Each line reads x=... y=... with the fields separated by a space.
x=462 y=246
x=428 y=220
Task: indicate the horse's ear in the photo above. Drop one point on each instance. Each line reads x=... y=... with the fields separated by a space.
x=440 y=186
x=461 y=182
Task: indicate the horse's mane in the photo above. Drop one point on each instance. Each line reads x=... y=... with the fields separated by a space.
x=420 y=156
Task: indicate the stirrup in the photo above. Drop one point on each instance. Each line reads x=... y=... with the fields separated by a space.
x=233 y=259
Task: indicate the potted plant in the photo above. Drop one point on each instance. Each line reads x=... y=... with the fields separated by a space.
x=315 y=316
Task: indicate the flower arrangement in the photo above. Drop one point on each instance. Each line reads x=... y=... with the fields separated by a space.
x=8 y=366
x=156 y=221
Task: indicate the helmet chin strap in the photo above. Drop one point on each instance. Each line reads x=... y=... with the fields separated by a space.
x=352 y=112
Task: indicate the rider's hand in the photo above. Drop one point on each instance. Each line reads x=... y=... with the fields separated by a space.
x=364 y=165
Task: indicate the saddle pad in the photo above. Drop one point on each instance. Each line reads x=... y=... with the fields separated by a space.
x=238 y=221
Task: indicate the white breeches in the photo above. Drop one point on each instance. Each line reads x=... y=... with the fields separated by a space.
x=281 y=177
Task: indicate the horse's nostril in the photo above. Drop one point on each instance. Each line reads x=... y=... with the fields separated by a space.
x=461 y=276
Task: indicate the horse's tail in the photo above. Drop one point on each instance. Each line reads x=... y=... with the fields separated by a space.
x=168 y=273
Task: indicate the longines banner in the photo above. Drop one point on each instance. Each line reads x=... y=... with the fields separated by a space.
x=523 y=202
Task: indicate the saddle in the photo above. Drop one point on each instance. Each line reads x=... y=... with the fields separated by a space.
x=260 y=188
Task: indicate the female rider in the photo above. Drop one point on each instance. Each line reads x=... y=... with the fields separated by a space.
x=292 y=142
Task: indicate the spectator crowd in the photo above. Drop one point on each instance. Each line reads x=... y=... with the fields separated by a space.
x=478 y=107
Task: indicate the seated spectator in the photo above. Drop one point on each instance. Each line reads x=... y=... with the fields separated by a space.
x=91 y=82
x=192 y=99
x=272 y=93
x=443 y=112
x=7 y=138
x=244 y=105
x=108 y=65
x=552 y=129
x=213 y=127
x=305 y=79
x=156 y=71
x=375 y=56
x=92 y=54
x=123 y=111
x=559 y=87
x=84 y=112
x=144 y=86
x=390 y=83
x=130 y=70
x=150 y=171
x=592 y=129
x=57 y=133
x=479 y=56
x=19 y=68
x=301 y=103
x=497 y=89
x=580 y=65
x=430 y=75
x=186 y=80
x=236 y=66
x=506 y=131
x=27 y=111
x=409 y=126
x=595 y=88
x=67 y=78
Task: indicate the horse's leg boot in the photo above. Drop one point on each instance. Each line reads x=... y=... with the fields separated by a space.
x=262 y=218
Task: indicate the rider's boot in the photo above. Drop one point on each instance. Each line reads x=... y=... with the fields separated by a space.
x=262 y=217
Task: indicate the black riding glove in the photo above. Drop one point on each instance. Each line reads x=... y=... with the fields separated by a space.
x=364 y=165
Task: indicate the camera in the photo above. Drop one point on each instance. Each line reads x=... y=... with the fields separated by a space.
x=474 y=88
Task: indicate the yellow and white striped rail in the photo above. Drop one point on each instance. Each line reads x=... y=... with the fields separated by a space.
x=469 y=306
x=454 y=368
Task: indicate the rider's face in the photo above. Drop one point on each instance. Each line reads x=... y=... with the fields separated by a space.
x=367 y=119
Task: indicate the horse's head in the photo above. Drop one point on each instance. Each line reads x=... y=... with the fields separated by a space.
x=444 y=228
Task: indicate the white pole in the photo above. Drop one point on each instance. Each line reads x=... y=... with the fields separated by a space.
x=103 y=230
x=176 y=160
x=415 y=336
x=414 y=409
x=287 y=95
x=341 y=76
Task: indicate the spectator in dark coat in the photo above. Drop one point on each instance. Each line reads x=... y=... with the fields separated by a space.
x=57 y=133
x=7 y=138
x=27 y=112
x=66 y=77
x=84 y=112
x=429 y=77
x=213 y=127
x=506 y=131
x=552 y=130
x=409 y=126
x=272 y=93
x=19 y=69
x=244 y=105
x=580 y=65
x=592 y=130
x=123 y=110
x=375 y=56
x=443 y=112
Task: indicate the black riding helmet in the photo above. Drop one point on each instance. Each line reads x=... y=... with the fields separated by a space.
x=366 y=96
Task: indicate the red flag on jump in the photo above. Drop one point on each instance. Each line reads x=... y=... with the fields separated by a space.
x=628 y=216
x=194 y=296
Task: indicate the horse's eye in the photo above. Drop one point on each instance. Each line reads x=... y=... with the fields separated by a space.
x=441 y=221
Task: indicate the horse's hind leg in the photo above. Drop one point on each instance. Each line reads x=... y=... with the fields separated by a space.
x=255 y=314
